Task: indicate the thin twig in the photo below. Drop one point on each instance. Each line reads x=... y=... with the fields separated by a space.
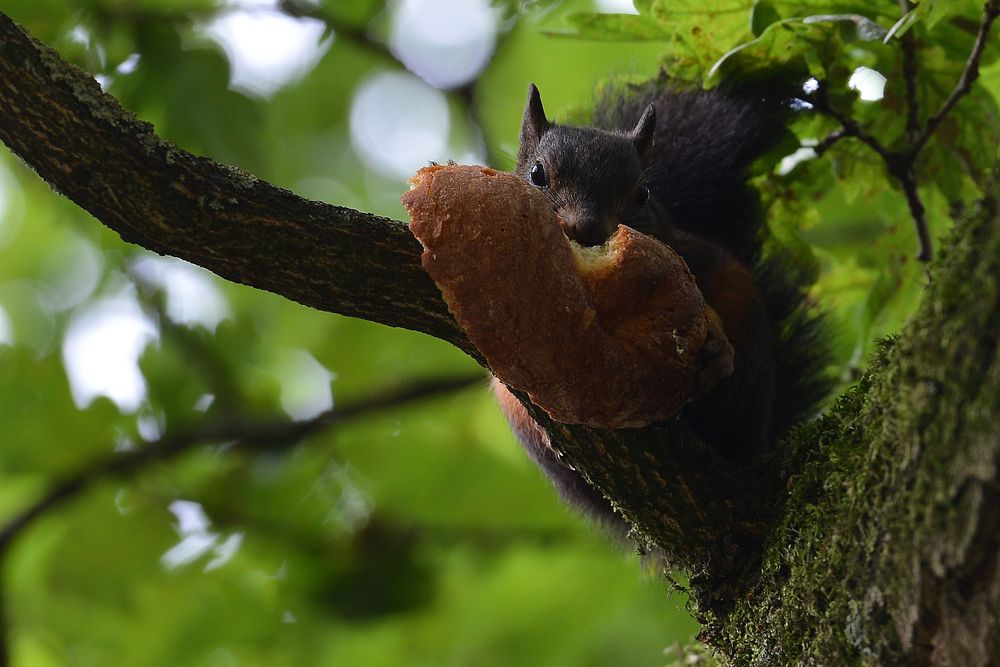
x=827 y=142
x=850 y=127
x=246 y=435
x=902 y=165
x=908 y=179
x=249 y=435
x=356 y=33
x=903 y=168
x=910 y=77
x=969 y=76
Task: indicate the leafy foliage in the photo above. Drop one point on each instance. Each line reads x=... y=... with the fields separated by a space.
x=417 y=534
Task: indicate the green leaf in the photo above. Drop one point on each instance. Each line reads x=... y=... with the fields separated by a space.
x=703 y=30
x=613 y=27
x=854 y=26
x=809 y=44
x=436 y=498
x=764 y=14
x=903 y=25
x=934 y=12
x=789 y=44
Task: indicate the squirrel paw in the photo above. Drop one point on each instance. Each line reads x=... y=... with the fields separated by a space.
x=716 y=355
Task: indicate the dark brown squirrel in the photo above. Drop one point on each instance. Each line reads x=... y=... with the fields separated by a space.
x=680 y=175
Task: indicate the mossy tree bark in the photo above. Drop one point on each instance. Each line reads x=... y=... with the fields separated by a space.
x=887 y=549
x=871 y=536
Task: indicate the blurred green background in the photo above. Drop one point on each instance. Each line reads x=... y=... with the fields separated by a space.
x=417 y=535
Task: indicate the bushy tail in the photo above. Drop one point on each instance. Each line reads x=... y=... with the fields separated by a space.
x=705 y=145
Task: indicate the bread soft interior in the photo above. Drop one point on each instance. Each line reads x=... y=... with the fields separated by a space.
x=591 y=258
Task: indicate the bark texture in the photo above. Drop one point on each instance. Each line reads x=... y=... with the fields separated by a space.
x=887 y=551
x=870 y=538
x=156 y=195
x=81 y=141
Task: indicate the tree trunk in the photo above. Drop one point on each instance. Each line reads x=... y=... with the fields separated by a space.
x=871 y=536
x=886 y=550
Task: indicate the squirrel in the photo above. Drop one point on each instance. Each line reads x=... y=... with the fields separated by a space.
x=673 y=163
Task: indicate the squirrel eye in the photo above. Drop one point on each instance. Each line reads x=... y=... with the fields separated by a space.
x=641 y=195
x=537 y=175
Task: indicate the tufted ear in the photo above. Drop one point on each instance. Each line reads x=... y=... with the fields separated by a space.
x=642 y=134
x=533 y=125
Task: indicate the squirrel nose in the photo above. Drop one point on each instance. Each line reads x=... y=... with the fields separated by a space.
x=587 y=230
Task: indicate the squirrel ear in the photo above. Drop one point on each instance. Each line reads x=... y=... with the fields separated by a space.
x=534 y=124
x=642 y=134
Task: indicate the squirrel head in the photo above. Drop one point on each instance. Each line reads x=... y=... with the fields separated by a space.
x=593 y=178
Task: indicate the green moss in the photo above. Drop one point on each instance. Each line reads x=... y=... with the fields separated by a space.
x=886 y=494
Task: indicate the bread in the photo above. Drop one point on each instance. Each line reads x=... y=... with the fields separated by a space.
x=616 y=336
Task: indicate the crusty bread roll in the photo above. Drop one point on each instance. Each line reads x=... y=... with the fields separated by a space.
x=616 y=336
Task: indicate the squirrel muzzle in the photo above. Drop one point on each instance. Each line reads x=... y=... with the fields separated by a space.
x=585 y=227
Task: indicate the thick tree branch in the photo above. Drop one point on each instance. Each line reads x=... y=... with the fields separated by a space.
x=158 y=196
x=879 y=530
x=162 y=198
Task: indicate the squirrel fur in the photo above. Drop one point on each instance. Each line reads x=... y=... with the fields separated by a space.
x=673 y=163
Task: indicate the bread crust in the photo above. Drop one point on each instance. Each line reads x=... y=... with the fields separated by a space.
x=614 y=337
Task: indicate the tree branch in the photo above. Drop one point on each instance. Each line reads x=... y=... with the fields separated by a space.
x=701 y=512
x=906 y=172
x=964 y=85
x=848 y=126
x=909 y=457
x=902 y=164
x=910 y=77
x=246 y=435
x=356 y=33
x=152 y=193
x=827 y=142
